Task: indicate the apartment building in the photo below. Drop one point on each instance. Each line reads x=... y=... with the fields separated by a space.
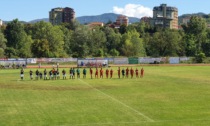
x=61 y=15
x=122 y=20
x=56 y=16
x=68 y=14
x=96 y=24
x=186 y=20
x=145 y=19
x=165 y=16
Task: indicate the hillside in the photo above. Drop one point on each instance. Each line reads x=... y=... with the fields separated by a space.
x=200 y=14
x=37 y=20
x=103 y=18
x=111 y=17
x=87 y=19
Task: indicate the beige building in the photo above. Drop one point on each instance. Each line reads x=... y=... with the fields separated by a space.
x=61 y=15
x=186 y=20
x=96 y=24
x=1 y=22
x=122 y=20
x=165 y=16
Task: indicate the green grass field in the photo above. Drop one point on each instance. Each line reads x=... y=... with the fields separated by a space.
x=167 y=95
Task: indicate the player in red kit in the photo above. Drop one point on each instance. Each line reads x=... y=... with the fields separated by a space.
x=111 y=73
x=142 y=72
x=118 y=71
x=101 y=73
x=91 y=73
x=137 y=73
x=96 y=73
x=107 y=73
x=126 y=72
x=132 y=72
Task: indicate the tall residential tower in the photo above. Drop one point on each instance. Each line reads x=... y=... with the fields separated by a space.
x=165 y=16
x=61 y=15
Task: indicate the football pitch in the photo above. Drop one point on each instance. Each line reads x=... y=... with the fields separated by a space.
x=166 y=95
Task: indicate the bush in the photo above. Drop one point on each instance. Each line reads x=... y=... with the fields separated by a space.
x=199 y=58
x=99 y=53
x=114 y=52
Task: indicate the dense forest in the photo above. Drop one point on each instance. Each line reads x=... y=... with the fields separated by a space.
x=42 y=39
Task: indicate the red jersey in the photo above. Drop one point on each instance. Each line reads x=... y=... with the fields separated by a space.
x=137 y=72
x=127 y=71
x=107 y=71
x=131 y=71
x=111 y=71
x=96 y=72
x=101 y=71
x=91 y=71
x=142 y=71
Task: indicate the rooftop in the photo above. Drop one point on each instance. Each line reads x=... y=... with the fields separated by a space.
x=168 y=8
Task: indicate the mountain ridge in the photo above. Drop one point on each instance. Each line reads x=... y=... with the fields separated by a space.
x=107 y=17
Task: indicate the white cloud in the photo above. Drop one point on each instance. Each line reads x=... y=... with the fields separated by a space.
x=133 y=10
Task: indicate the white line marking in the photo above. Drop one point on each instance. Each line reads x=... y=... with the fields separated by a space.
x=110 y=123
x=114 y=99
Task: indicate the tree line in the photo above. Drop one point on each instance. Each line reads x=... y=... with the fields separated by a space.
x=42 y=39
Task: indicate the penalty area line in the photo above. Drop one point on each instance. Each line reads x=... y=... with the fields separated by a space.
x=116 y=100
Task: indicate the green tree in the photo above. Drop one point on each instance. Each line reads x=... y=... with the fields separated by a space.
x=131 y=27
x=197 y=28
x=99 y=53
x=40 y=47
x=3 y=42
x=113 y=40
x=122 y=29
x=28 y=29
x=206 y=44
x=18 y=42
x=67 y=40
x=24 y=49
x=71 y=25
x=97 y=42
x=199 y=58
x=10 y=52
x=132 y=45
x=190 y=45
x=13 y=33
x=114 y=52
x=165 y=43
x=81 y=39
x=54 y=36
x=146 y=39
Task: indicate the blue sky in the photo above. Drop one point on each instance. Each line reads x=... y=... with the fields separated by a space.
x=27 y=10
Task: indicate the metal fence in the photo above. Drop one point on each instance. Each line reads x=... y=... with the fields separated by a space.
x=123 y=60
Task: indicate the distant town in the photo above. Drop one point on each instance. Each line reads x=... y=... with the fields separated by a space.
x=62 y=35
x=163 y=16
